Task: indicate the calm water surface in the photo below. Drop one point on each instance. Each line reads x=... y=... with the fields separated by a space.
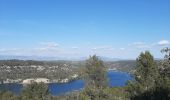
x=115 y=79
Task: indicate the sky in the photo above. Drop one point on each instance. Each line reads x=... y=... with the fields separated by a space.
x=79 y=28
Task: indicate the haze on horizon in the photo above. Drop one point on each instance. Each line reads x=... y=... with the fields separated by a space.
x=79 y=28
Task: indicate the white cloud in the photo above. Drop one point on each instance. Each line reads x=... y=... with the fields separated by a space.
x=2 y=49
x=10 y=49
x=44 y=48
x=163 y=42
x=140 y=45
x=50 y=44
x=99 y=48
x=122 y=48
x=74 y=47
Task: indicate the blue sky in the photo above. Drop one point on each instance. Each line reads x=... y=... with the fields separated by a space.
x=78 y=28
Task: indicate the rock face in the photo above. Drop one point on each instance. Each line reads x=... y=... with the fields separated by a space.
x=64 y=80
x=37 y=80
x=74 y=76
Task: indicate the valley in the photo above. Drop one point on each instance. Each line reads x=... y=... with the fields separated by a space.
x=61 y=71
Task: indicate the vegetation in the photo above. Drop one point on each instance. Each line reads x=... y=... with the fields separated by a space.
x=145 y=76
x=37 y=91
x=20 y=69
x=123 y=65
x=151 y=82
x=95 y=73
x=96 y=81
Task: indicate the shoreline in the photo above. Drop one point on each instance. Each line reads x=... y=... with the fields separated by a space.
x=40 y=80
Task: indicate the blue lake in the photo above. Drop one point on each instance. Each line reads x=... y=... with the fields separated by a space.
x=114 y=79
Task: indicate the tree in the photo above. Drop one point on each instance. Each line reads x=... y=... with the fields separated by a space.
x=150 y=81
x=35 y=91
x=6 y=95
x=147 y=71
x=165 y=72
x=96 y=81
x=165 y=68
x=95 y=73
x=145 y=77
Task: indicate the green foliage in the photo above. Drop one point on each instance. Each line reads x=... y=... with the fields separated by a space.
x=23 y=69
x=147 y=71
x=96 y=81
x=93 y=94
x=122 y=65
x=95 y=73
x=150 y=81
x=165 y=68
x=7 y=96
x=116 y=93
x=37 y=91
x=145 y=75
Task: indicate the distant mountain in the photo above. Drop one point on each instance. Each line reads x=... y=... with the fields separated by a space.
x=109 y=59
x=48 y=58
x=40 y=58
x=8 y=57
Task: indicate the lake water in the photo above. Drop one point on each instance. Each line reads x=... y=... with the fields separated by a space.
x=115 y=79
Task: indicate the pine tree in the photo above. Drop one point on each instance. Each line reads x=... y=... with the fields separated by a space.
x=146 y=71
x=165 y=68
x=95 y=73
x=96 y=81
x=34 y=91
x=145 y=77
